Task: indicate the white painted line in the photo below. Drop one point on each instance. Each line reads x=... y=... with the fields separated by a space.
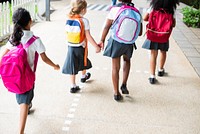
x=72 y=110
x=68 y=122
x=76 y=99
x=91 y=7
x=138 y=71
x=74 y=104
x=68 y=7
x=78 y=95
x=106 y=8
x=65 y=128
x=146 y=72
x=70 y=115
x=99 y=7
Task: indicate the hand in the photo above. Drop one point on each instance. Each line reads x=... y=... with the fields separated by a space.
x=98 y=49
x=57 y=67
x=101 y=44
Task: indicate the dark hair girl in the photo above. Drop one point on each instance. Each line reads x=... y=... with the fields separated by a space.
x=21 y=19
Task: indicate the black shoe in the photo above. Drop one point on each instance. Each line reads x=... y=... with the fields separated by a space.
x=74 y=89
x=29 y=108
x=118 y=97
x=161 y=73
x=152 y=80
x=87 y=76
x=124 y=89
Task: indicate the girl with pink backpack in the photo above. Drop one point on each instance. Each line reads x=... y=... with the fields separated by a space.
x=21 y=35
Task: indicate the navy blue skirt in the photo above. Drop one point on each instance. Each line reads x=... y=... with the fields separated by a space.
x=155 y=45
x=115 y=49
x=74 y=61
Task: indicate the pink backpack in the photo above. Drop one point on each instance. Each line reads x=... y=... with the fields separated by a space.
x=160 y=26
x=15 y=70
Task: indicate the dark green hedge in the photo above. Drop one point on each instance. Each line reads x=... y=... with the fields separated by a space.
x=194 y=3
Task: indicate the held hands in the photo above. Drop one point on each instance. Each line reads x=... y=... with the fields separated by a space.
x=98 y=49
x=56 y=67
x=101 y=45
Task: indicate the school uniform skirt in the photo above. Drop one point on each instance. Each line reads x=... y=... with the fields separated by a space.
x=115 y=49
x=74 y=61
x=150 y=45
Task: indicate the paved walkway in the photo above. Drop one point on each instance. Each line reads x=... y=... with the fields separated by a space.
x=172 y=106
x=188 y=40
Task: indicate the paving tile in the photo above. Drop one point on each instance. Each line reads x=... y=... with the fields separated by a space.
x=194 y=41
x=192 y=54
x=196 y=64
x=194 y=59
x=185 y=44
x=198 y=71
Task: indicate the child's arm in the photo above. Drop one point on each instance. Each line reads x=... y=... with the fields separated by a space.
x=92 y=41
x=106 y=30
x=48 y=61
x=146 y=17
x=3 y=53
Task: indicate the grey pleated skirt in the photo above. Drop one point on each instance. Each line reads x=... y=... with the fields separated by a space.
x=155 y=45
x=74 y=61
x=115 y=49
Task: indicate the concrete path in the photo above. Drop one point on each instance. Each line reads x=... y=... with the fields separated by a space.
x=170 y=107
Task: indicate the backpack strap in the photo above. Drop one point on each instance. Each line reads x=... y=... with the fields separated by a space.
x=124 y=7
x=82 y=34
x=79 y=18
x=28 y=43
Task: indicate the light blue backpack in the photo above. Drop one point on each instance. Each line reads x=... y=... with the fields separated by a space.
x=126 y=26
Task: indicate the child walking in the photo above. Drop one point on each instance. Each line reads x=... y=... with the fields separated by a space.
x=21 y=34
x=78 y=33
x=168 y=6
x=119 y=48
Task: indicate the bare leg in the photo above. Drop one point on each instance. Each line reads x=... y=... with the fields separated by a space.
x=154 y=54
x=115 y=74
x=73 y=79
x=126 y=69
x=23 y=117
x=163 y=56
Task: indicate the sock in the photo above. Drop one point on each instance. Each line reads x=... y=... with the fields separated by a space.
x=160 y=70
x=83 y=76
x=152 y=76
x=73 y=85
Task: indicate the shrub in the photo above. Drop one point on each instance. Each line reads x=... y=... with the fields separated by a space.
x=191 y=17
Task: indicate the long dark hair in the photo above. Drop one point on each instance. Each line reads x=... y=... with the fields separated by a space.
x=169 y=5
x=20 y=18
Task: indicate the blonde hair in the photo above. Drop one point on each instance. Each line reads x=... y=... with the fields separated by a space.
x=77 y=6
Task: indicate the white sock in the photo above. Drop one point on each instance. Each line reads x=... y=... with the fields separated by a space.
x=83 y=76
x=73 y=85
x=160 y=70
x=152 y=76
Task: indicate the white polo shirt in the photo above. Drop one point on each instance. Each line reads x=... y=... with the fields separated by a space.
x=36 y=46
